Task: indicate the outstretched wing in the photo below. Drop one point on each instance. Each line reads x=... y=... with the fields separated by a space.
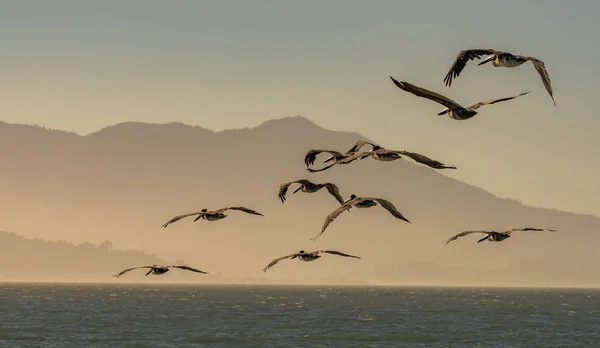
x=529 y=229
x=425 y=93
x=334 y=191
x=179 y=217
x=426 y=160
x=129 y=269
x=461 y=61
x=338 y=253
x=359 y=144
x=329 y=219
x=462 y=234
x=541 y=69
x=493 y=101
x=244 y=209
x=311 y=155
x=187 y=268
x=279 y=259
x=389 y=207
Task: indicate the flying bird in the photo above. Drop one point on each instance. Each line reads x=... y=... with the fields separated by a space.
x=453 y=109
x=360 y=202
x=338 y=158
x=158 y=270
x=381 y=154
x=310 y=187
x=211 y=215
x=494 y=236
x=498 y=59
x=354 y=149
x=303 y=256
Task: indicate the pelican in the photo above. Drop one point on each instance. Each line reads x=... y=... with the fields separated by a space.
x=211 y=215
x=360 y=202
x=338 y=158
x=498 y=58
x=381 y=154
x=310 y=187
x=354 y=149
x=158 y=270
x=303 y=256
x=453 y=109
x=494 y=236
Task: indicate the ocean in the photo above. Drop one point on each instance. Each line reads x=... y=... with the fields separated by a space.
x=169 y=315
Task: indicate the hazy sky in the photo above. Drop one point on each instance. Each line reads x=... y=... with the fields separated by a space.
x=80 y=66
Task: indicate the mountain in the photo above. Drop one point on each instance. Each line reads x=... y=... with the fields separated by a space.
x=123 y=182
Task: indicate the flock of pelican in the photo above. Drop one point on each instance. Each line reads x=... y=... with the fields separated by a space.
x=454 y=111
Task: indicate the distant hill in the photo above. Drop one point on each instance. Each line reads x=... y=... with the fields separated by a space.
x=123 y=182
x=24 y=258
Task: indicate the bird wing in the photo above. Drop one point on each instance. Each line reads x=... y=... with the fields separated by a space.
x=529 y=229
x=277 y=260
x=179 y=217
x=493 y=101
x=335 y=191
x=389 y=207
x=425 y=160
x=129 y=269
x=461 y=61
x=244 y=209
x=187 y=268
x=311 y=155
x=462 y=234
x=329 y=219
x=358 y=145
x=541 y=69
x=425 y=93
x=337 y=253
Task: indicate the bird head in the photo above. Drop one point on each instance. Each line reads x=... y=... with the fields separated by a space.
x=352 y=196
x=301 y=252
x=204 y=210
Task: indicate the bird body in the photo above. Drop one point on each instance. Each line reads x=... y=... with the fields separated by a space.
x=495 y=236
x=211 y=215
x=310 y=187
x=158 y=270
x=307 y=257
x=381 y=154
x=360 y=202
x=498 y=59
x=453 y=109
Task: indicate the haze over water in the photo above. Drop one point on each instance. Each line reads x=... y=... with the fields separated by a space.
x=125 y=315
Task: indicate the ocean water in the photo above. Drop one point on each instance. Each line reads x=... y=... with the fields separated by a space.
x=125 y=315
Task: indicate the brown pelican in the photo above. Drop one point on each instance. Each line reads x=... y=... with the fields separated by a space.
x=381 y=154
x=354 y=149
x=453 y=109
x=360 y=202
x=494 y=236
x=303 y=256
x=498 y=58
x=158 y=270
x=211 y=215
x=338 y=158
x=309 y=187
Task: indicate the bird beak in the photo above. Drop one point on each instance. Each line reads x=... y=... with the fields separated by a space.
x=443 y=112
x=298 y=189
x=487 y=60
x=329 y=159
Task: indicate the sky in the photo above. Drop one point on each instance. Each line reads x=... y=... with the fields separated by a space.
x=81 y=66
